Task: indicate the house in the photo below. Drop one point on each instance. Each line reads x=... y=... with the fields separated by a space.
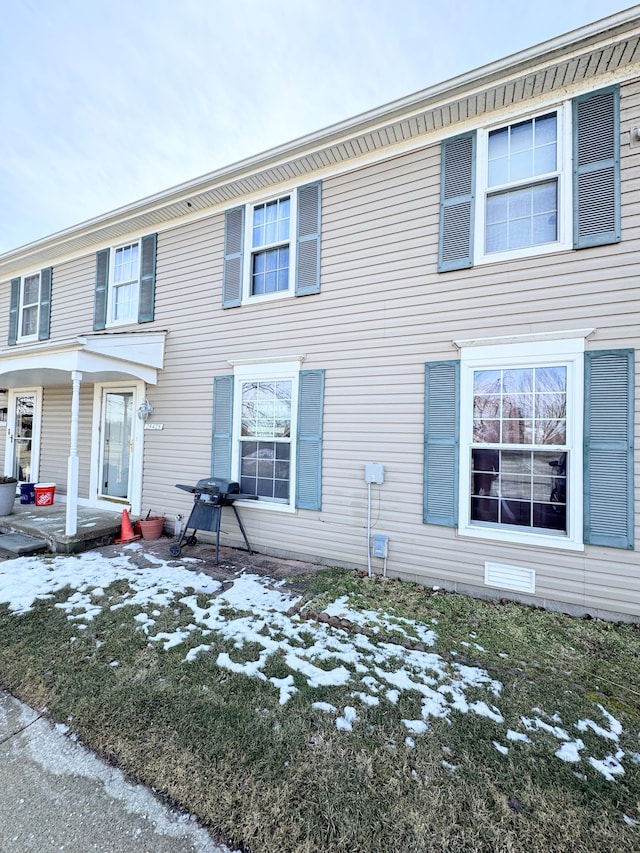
x=411 y=335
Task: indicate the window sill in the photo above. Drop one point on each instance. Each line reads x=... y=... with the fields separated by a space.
x=267 y=297
x=519 y=254
x=537 y=540
x=117 y=324
x=270 y=507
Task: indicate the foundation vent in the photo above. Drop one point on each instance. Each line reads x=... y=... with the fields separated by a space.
x=510 y=577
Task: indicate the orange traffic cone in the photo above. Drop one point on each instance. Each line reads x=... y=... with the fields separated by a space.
x=126 y=530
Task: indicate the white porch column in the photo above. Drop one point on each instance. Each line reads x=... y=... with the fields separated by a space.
x=73 y=465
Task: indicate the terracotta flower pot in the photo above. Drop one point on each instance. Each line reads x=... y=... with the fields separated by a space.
x=152 y=527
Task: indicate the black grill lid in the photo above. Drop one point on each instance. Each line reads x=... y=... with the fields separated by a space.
x=215 y=486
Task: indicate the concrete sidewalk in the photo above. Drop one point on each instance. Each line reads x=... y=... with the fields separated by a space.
x=57 y=795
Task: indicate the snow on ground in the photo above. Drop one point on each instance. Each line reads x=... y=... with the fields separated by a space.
x=253 y=611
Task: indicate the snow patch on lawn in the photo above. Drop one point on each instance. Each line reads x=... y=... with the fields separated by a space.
x=251 y=615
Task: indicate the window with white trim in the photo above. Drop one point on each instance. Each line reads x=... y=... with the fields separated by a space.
x=523 y=186
x=265 y=438
x=521 y=442
x=29 y=312
x=545 y=181
x=30 y=307
x=124 y=284
x=271 y=253
x=272 y=247
x=265 y=424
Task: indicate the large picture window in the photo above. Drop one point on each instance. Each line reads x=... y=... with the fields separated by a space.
x=521 y=412
x=519 y=451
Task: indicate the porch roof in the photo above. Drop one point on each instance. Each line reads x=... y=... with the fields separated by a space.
x=100 y=358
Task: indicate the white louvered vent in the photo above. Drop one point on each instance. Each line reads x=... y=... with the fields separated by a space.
x=510 y=577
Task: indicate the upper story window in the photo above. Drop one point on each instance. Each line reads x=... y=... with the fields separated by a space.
x=272 y=248
x=545 y=182
x=123 y=292
x=272 y=254
x=125 y=283
x=522 y=188
x=30 y=308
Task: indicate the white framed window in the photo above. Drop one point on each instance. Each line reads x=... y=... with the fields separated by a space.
x=524 y=186
x=124 y=284
x=29 y=310
x=521 y=442
x=271 y=248
x=542 y=182
x=265 y=431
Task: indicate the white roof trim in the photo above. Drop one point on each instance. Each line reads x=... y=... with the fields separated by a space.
x=598 y=53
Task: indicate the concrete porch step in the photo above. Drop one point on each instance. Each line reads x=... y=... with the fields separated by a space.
x=95 y=528
x=20 y=545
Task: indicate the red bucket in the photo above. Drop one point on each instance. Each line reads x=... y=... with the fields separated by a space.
x=45 y=493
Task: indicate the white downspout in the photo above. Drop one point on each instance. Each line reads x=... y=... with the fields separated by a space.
x=71 y=526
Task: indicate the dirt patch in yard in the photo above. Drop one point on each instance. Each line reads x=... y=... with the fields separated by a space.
x=232 y=561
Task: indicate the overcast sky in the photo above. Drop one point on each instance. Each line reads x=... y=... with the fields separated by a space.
x=104 y=102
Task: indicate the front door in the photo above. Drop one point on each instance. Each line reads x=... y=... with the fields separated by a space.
x=22 y=448
x=116 y=450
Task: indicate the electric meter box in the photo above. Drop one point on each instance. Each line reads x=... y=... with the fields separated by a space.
x=374 y=473
x=380 y=546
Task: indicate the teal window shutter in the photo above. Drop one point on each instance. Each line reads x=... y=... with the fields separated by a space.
x=101 y=290
x=44 y=319
x=457 y=195
x=146 y=306
x=233 y=257
x=222 y=439
x=308 y=263
x=596 y=168
x=608 y=448
x=14 y=307
x=309 y=446
x=441 y=442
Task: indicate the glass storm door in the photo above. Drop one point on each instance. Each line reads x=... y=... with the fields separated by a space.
x=117 y=444
x=21 y=460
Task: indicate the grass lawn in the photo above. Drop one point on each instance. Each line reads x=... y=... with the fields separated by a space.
x=412 y=720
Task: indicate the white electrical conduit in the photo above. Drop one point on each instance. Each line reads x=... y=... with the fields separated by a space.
x=369 y=529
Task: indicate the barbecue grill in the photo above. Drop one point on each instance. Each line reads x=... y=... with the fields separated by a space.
x=210 y=495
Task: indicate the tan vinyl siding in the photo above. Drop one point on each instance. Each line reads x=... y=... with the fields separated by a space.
x=382 y=312
x=72 y=298
x=56 y=433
